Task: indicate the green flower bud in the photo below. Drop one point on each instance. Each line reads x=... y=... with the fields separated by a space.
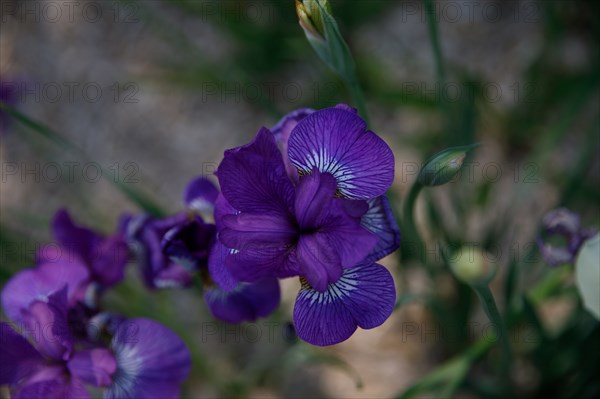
x=310 y=18
x=587 y=275
x=472 y=266
x=442 y=167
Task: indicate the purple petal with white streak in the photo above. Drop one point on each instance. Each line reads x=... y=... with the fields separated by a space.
x=364 y=296
x=336 y=141
x=200 y=195
x=152 y=361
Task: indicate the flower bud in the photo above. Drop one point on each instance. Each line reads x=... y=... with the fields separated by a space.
x=587 y=275
x=472 y=266
x=310 y=18
x=442 y=167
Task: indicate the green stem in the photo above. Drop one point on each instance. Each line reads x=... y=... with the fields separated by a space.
x=435 y=41
x=408 y=220
x=491 y=310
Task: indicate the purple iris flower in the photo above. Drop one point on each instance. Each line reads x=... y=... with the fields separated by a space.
x=170 y=250
x=284 y=231
x=188 y=243
x=105 y=257
x=42 y=281
x=145 y=359
x=327 y=223
x=146 y=234
x=562 y=223
x=53 y=367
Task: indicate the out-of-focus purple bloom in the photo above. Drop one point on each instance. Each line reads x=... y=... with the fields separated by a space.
x=152 y=361
x=40 y=282
x=564 y=224
x=52 y=367
x=283 y=231
x=170 y=250
x=146 y=233
x=364 y=296
x=336 y=141
x=105 y=257
x=188 y=243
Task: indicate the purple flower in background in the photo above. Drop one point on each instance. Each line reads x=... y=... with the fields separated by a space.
x=146 y=233
x=200 y=195
x=169 y=250
x=52 y=367
x=283 y=230
x=188 y=243
x=566 y=225
x=336 y=141
x=42 y=281
x=152 y=361
x=105 y=257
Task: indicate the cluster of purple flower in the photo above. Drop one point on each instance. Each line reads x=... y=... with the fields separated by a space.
x=305 y=199
x=59 y=340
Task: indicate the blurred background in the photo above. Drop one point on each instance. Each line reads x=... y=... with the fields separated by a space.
x=152 y=92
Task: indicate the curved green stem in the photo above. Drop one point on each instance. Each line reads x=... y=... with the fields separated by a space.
x=408 y=222
x=491 y=310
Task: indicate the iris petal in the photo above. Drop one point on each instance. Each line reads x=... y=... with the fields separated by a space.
x=151 y=361
x=40 y=282
x=253 y=177
x=380 y=220
x=336 y=141
x=364 y=296
x=247 y=302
